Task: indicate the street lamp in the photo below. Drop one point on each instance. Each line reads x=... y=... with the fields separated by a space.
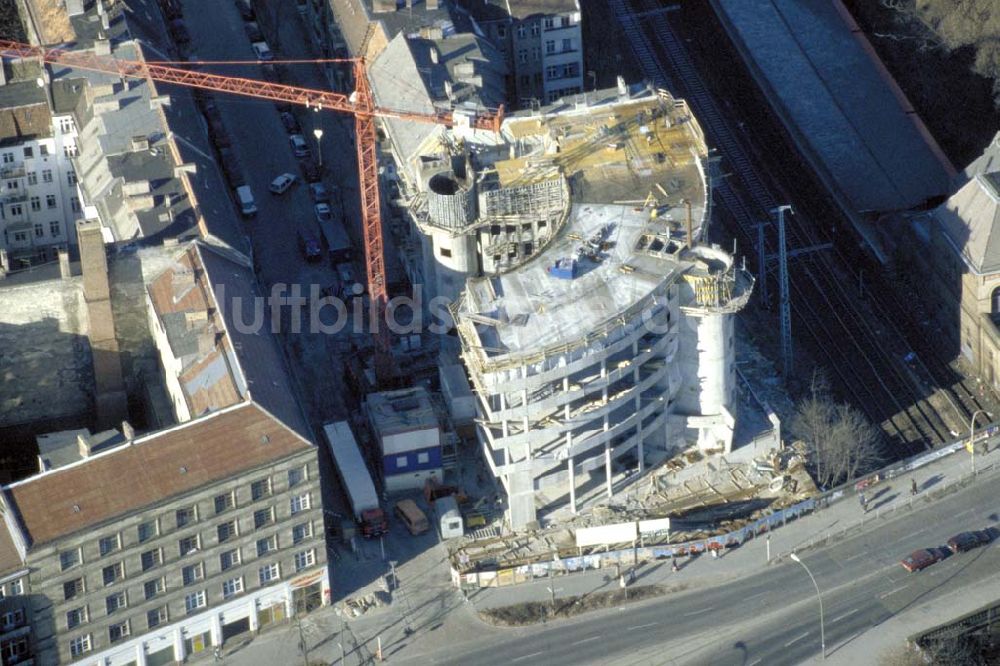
x=318 y=133
x=972 y=440
x=822 y=632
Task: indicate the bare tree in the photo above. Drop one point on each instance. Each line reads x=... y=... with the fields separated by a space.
x=840 y=441
x=958 y=651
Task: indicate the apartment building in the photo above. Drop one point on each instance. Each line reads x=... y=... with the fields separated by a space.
x=542 y=43
x=39 y=201
x=126 y=549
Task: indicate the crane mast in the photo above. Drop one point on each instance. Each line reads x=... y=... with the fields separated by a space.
x=360 y=104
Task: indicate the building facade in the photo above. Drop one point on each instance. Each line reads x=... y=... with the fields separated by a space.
x=38 y=183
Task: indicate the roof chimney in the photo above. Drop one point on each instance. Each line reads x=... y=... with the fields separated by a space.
x=102 y=45
x=64 y=269
x=379 y=6
x=74 y=7
x=140 y=143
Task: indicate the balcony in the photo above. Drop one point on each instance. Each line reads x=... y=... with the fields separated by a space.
x=13 y=197
x=12 y=170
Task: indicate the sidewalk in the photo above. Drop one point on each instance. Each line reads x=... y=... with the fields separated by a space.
x=845 y=515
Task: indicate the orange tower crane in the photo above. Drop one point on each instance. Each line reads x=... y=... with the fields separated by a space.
x=360 y=103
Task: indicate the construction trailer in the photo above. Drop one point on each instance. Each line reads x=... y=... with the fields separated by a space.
x=408 y=437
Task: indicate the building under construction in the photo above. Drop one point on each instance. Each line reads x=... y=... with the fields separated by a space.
x=596 y=328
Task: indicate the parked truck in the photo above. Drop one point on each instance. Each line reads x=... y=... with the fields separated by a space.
x=356 y=479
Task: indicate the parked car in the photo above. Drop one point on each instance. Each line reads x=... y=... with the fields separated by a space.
x=281 y=184
x=309 y=170
x=319 y=193
x=244 y=197
x=262 y=51
x=323 y=213
x=290 y=122
x=253 y=32
x=921 y=559
x=299 y=146
x=309 y=245
x=178 y=32
x=968 y=540
x=245 y=9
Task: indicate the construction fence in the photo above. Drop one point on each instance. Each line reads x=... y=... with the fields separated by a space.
x=640 y=554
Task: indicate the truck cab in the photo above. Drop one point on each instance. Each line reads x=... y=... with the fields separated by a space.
x=373 y=523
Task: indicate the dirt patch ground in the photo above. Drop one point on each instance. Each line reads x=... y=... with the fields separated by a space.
x=533 y=612
x=955 y=103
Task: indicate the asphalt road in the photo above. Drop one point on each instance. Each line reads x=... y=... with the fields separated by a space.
x=772 y=618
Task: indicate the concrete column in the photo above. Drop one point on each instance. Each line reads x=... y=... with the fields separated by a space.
x=524 y=403
x=140 y=654
x=179 y=654
x=254 y=625
x=572 y=483
x=640 y=450
x=216 y=629
x=607 y=426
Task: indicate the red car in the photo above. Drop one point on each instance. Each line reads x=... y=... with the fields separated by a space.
x=920 y=559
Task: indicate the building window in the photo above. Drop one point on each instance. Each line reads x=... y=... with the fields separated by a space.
x=11 y=619
x=118 y=631
x=567 y=44
x=536 y=53
x=229 y=559
x=301 y=532
x=155 y=587
x=232 y=587
x=71 y=178
x=32 y=178
x=445 y=252
x=147 y=531
x=69 y=559
x=296 y=475
x=8 y=158
x=400 y=462
x=501 y=31
x=521 y=32
x=109 y=544
x=43 y=149
x=226 y=531
x=552 y=72
x=194 y=601
x=46 y=173
x=79 y=645
x=113 y=573
x=74 y=203
x=268 y=573
x=549 y=23
x=14 y=650
x=267 y=545
x=263 y=517
x=73 y=588
x=550 y=46
x=39 y=230
x=36 y=204
x=76 y=617
x=69 y=149
x=186 y=516
x=54 y=228
x=260 y=488
x=225 y=502
x=16 y=587
x=188 y=545
x=20 y=236
x=151 y=558
x=423 y=458
x=522 y=56
x=305 y=559
x=65 y=125
x=156 y=617
x=50 y=200
x=13 y=184
x=299 y=503
x=29 y=152
x=192 y=573
x=115 y=601
x=15 y=210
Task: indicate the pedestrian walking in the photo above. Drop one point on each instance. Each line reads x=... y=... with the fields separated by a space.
x=913 y=486
x=673 y=566
x=864 y=502
x=217 y=653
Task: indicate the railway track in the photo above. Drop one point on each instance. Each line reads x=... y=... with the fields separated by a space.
x=865 y=357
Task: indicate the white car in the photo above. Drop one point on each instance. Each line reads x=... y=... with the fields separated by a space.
x=323 y=213
x=262 y=51
x=281 y=184
x=299 y=146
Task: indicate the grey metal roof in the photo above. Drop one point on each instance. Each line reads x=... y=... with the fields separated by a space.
x=67 y=94
x=497 y=10
x=988 y=162
x=397 y=84
x=838 y=99
x=474 y=69
x=257 y=353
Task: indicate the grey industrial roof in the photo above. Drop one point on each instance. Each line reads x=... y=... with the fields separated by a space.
x=839 y=101
x=474 y=68
x=409 y=20
x=971 y=220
